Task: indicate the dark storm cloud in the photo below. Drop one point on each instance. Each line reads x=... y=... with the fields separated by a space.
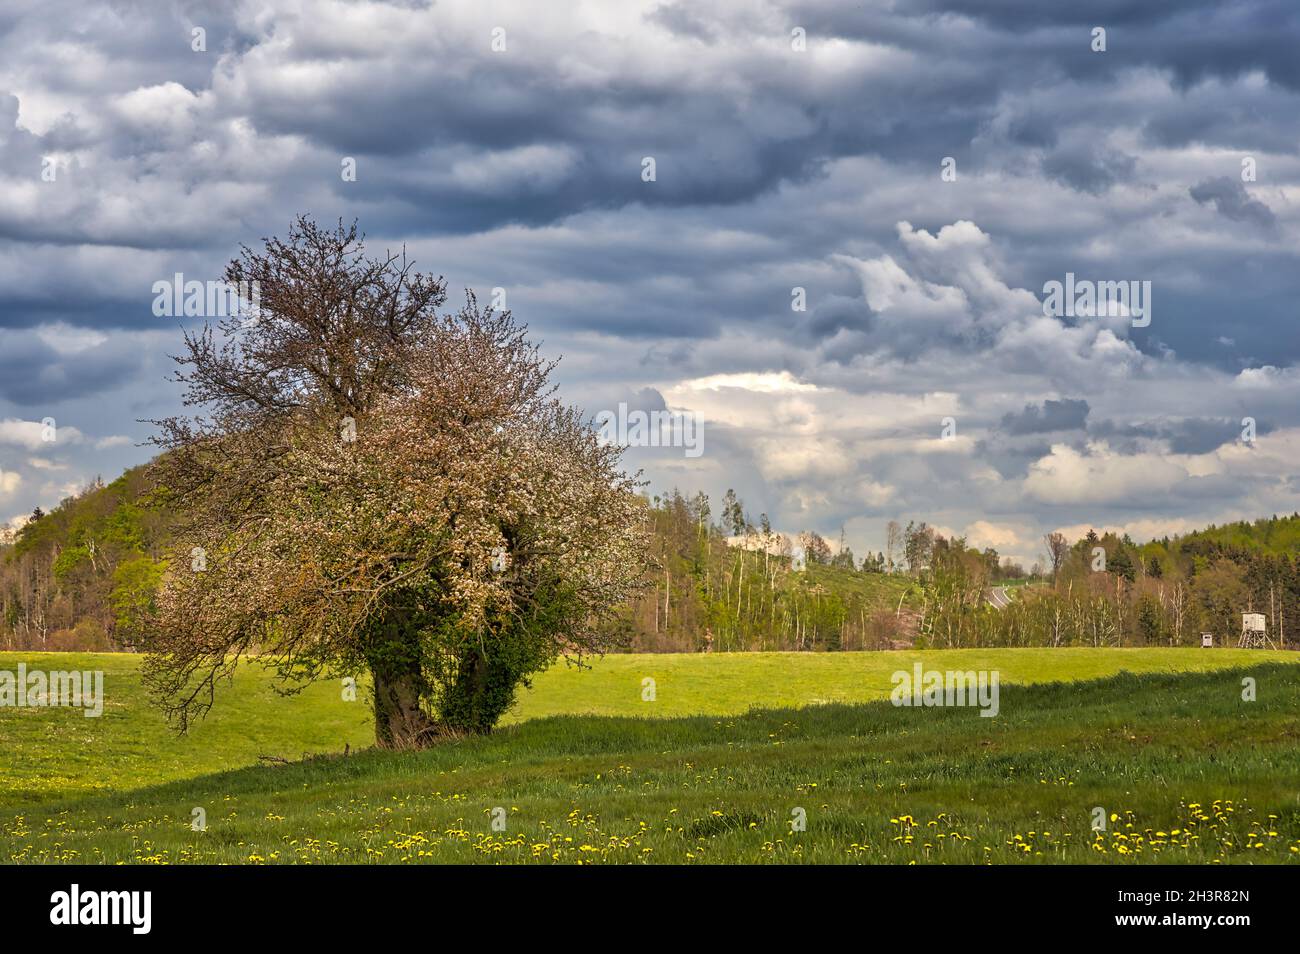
x=774 y=167
x=679 y=19
x=1022 y=15
x=646 y=399
x=35 y=375
x=1230 y=198
x=833 y=315
x=408 y=123
x=1184 y=436
x=1211 y=114
x=1194 y=39
x=1088 y=171
x=1011 y=458
x=1052 y=415
x=1200 y=436
x=1033 y=129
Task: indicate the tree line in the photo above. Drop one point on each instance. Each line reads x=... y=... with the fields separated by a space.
x=85 y=576
x=1106 y=590
x=82 y=576
x=727 y=583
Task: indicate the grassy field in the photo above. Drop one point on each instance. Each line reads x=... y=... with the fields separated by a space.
x=1189 y=771
x=56 y=754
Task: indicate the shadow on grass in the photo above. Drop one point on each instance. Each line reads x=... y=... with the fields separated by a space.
x=1212 y=699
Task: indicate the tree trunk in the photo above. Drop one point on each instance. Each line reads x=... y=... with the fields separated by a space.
x=399 y=685
x=400 y=723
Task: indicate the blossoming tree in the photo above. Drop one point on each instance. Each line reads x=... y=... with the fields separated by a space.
x=372 y=485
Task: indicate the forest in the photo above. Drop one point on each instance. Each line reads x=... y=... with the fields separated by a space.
x=83 y=575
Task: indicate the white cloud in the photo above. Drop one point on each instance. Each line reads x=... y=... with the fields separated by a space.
x=68 y=339
x=33 y=434
x=1002 y=537
x=9 y=482
x=42 y=463
x=761 y=382
x=1101 y=476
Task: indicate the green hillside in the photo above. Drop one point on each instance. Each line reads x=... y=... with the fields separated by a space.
x=1274 y=535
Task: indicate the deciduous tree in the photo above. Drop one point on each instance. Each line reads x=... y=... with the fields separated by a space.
x=376 y=485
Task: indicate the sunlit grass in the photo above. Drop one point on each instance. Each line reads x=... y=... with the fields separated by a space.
x=58 y=753
x=1182 y=768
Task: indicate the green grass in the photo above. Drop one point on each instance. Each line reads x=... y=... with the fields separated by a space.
x=872 y=588
x=54 y=754
x=1020 y=583
x=59 y=753
x=731 y=683
x=877 y=783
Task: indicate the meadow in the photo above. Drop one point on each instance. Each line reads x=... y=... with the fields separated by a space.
x=746 y=757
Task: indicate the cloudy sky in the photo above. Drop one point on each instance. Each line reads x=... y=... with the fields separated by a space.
x=919 y=168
